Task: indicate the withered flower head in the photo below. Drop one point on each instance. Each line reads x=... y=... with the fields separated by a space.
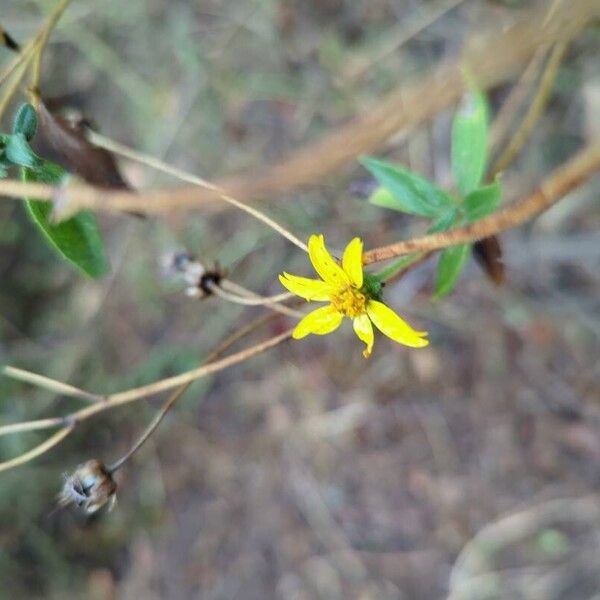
x=196 y=277
x=90 y=487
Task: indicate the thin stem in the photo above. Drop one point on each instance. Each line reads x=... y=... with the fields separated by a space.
x=534 y=112
x=151 y=427
x=33 y=425
x=254 y=300
x=397 y=38
x=397 y=266
x=23 y=55
x=50 y=384
x=152 y=389
x=52 y=441
x=36 y=69
x=239 y=290
x=515 y=99
x=160 y=165
x=32 y=51
x=168 y=404
x=12 y=87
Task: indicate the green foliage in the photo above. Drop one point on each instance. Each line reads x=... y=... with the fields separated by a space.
x=25 y=121
x=78 y=239
x=408 y=192
x=445 y=220
x=19 y=153
x=483 y=201
x=451 y=263
x=470 y=142
x=552 y=543
x=372 y=286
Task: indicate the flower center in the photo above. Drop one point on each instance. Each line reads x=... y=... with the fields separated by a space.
x=350 y=302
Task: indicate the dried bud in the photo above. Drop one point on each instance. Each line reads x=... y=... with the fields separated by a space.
x=196 y=277
x=90 y=487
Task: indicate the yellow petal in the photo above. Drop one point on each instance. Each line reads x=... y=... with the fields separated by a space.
x=389 y=323
x=324 y=264
x=352 y=262
x=309 y=289
x=321 y=321
x=364 y=331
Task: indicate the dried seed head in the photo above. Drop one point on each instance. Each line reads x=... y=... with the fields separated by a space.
x=196 y=277
x=90 y=487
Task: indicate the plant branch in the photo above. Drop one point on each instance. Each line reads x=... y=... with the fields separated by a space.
x=160 y=165
x=50 y=384
x=152 y=389
x=42 y=41
x=52 y=441
x=172 y=399
x=490 y=56
x=534 y=112
x=560 y=182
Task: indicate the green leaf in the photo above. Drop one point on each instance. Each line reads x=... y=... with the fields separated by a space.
x=483 y=201
x=19 y=153
x=407 y=191
x=397 y=266
x=77 y=239
x=451 y=263
x=444 y=221
x=372 y=286
x=25 y=121
x=469 y=153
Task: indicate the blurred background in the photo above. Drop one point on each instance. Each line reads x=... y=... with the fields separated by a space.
x=307 y=472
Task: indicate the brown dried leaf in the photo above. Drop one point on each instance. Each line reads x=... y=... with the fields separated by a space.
x=488 y=254
x=96 y=166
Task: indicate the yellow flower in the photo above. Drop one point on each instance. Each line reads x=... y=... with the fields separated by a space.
x=350 y=294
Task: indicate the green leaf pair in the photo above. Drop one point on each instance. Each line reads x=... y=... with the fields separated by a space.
x=407 y=192
x=78 y=239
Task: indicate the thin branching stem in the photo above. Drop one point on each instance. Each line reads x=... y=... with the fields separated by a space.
x=132 y=395
x=36 y=68
x=162 y=166
x=42 y=448
x=50 y=384
x=219 y=290
x=534 y=112
x=172 y=399
x=33 y=51
x=555 y=187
